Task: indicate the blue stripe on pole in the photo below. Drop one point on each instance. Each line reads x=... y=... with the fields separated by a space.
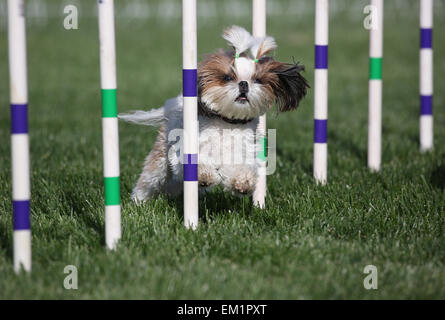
x=321 y=57
x=426 y=38
x=20 y=210
x=189 y=82
x=426 y=105
x=19 y=118
x=320 y=131
x=190 y=158
x=190 y=167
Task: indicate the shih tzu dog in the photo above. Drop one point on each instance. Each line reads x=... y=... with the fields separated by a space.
x=234 y=90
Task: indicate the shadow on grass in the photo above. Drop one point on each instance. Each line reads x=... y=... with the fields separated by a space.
x=6 y=241
x=215 y=203
x=345 y=143
x=220 y=202
x=76 y=200
x=308 y=168
x=437 y=178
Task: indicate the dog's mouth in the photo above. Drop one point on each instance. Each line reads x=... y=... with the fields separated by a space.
x=242 y=98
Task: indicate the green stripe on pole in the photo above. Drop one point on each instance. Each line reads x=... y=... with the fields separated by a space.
x=109 y=104
x=112 y=191
x=263 y=153
x=375 y=68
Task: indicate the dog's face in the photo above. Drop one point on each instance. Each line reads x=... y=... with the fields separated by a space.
x=238 y=87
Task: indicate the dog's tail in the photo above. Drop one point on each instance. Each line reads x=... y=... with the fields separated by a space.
x=154 y=117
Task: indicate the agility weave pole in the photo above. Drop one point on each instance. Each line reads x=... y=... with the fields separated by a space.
x=190 y=116
x=375 y=89
x=259 y=31
x=426 y=75
x=321 y=91
x=21 y=192
x=110 y=133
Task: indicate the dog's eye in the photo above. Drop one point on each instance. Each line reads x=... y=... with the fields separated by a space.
x=258 y=81
x=227 y=78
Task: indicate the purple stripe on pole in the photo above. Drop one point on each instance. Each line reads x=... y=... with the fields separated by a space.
x=19 y=118
x=189 y=82
x=21 y=215
x=426 y=105
x=426 y=38
x=190 y=167
x=321 y=57
x=320 y=131
x=190 y=158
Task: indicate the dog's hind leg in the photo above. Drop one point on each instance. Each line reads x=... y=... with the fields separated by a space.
x=154 y=175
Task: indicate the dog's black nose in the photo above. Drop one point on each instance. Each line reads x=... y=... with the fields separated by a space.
x=243 y=86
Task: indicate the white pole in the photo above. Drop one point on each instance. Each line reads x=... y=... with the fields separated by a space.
x=110 y=133
x=21 y=192
x=375 y=88
x=189 y=86
x=426 y=75
x=321 y=91
x=259 y=30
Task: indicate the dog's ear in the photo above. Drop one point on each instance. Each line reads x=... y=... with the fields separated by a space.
x=291 y=86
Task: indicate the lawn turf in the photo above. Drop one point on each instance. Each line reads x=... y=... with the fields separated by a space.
x=311 y=242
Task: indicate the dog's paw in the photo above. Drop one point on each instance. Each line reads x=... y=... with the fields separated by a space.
x=206 y=177
x=244 y=183
x=205 y=180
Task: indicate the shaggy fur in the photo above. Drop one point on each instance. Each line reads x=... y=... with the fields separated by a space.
x=234 y=90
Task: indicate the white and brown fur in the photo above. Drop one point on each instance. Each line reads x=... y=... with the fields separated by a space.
x=232 y=94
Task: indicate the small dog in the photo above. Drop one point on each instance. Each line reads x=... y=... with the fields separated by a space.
x=234 y=90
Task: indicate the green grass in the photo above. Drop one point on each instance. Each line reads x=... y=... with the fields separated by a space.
x=310 y=241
